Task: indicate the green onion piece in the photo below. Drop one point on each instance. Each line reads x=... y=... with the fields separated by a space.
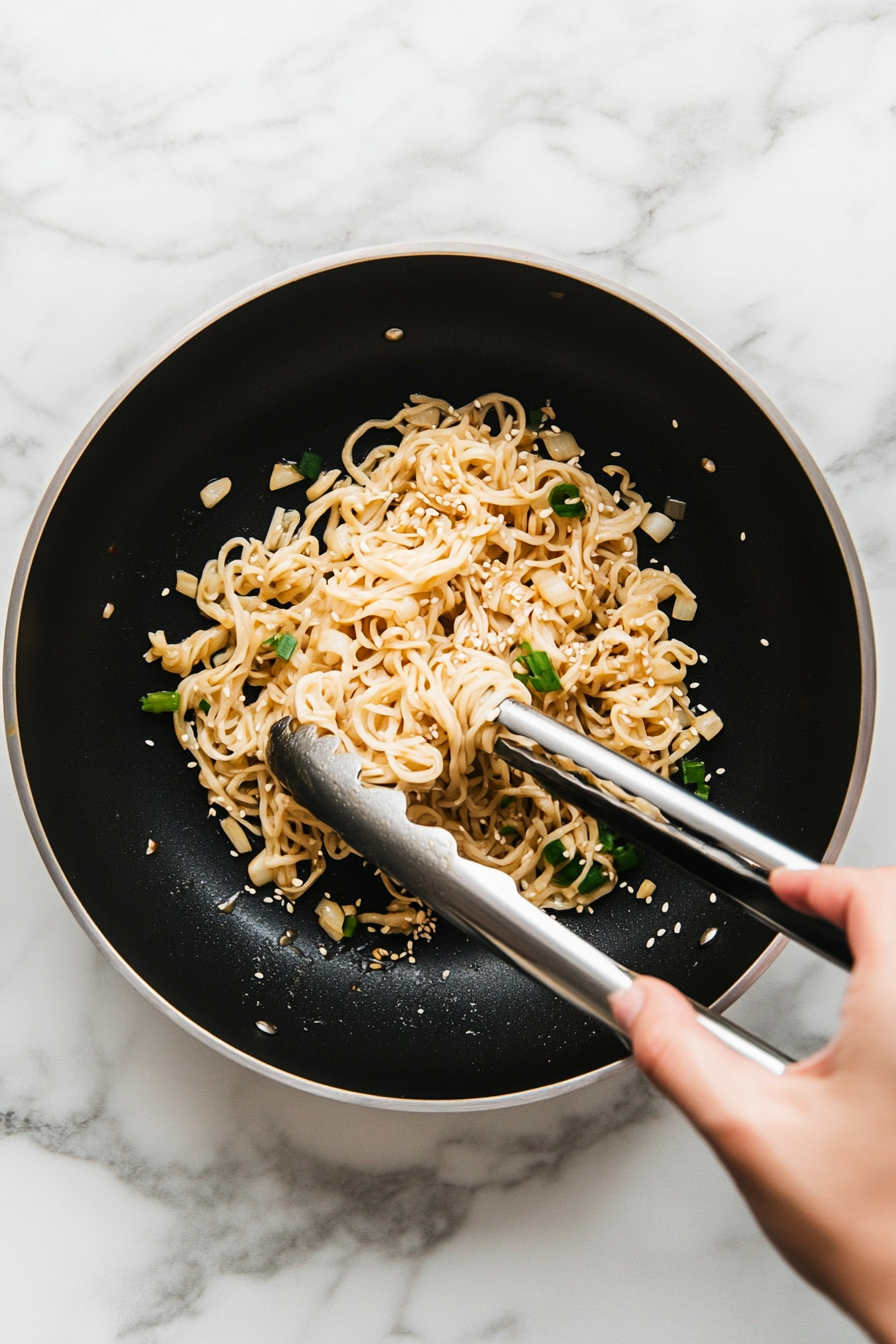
x=607 y=839
x=160 y=702
x=594 y=878
x=204 y=706
x=555 y=853
x=523 y=677
x=626 y=857
x=702 y=791
x=349 y=925
x=564 y=877
x=566 y=502
x=283 y=645
x=535 y=419
x=692 y=771
x=310 y=466
x=510 y=830
x=506 y=801
x=542 y=672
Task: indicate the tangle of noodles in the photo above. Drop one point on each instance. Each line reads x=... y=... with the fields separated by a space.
x=440 y=557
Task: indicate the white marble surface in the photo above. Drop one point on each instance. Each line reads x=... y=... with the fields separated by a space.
x=738 y=163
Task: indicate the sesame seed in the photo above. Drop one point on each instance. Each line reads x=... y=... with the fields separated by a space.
x=702 y=709
x=259 y=975
x=650 y=942
x=674 y=424
x=703 y=658
x=152 y=846
x=107 y=611
x=707 y=464
x=165 y=592
x=764 y=643
x=743 y=536
x=149 y=742
x=712 y=898
x=192 y=765
x=445 y=975
x=720 y=770
x=615 y=454
x=677 y=928
x=660 y=932
x=267 y=1027
x=665 y=906
x=707 y=936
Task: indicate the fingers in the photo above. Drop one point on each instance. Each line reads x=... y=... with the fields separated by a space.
x=708 y=1081
x=859 y=901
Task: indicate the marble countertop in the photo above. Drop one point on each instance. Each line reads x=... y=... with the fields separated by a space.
x=737 y=163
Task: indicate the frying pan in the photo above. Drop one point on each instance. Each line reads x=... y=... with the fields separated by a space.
x=293 y=364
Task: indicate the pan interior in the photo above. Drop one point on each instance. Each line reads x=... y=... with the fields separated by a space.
x=297 y=368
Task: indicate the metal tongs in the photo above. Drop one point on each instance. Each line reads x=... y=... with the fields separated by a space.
x=484 y=902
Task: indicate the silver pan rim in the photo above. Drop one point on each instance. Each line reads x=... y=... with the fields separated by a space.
x=247 y=295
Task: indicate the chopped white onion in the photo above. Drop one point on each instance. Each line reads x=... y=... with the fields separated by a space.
x=215 y=491
x=283 y=475
x=708 y=724
x=187 y=583
x=553 y=589
x=685 y=608
x=335 y=646
x=657 y=526
x=562 y=447
x=236 y=835
x=330 y=917
x=259 y=872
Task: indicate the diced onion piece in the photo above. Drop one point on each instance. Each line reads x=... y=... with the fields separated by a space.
x=107 y=611
x=330 y=917
x=259 y=872
x=552 y=588
x=187 y=583
x=657 y=526
x=708 y=724
x=562 y=447
x=423 y=415
x=682 y=716
x=236 y=835
x=322 y=484
x=215 y=491
x=284 y=474
x=647 y=888
x=685 y=608
x=335 y=646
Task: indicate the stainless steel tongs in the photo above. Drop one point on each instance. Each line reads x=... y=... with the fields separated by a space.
x=485 y=903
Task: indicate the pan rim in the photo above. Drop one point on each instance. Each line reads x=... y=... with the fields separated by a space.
x=332 y=262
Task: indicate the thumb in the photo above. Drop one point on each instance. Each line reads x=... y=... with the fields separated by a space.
x=713 y=1086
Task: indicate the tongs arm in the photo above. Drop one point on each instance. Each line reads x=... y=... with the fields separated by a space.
x=724 y=852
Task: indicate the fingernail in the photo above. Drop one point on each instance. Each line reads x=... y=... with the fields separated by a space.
x=627 y=1004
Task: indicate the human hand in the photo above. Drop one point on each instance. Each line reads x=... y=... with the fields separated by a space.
x=813 y=1150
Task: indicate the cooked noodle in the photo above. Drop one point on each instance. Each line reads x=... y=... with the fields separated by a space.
x=440 y=557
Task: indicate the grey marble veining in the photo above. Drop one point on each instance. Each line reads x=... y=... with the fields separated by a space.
x=738 y=164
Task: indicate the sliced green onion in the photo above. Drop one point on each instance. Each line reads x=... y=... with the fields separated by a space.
x=535 y=419
x=564 y=877
x=702 y=791
x=160 y=702
x=540 y=671
x=349 y=926
x=510 y=830
x=594 y=878
x=555 y=852
x=204 y=706
x=607 y=839
x=566 y=501
x=626 y=857
x=506 y=801
x=692 y=771
x=283 y=645
x=310 y=466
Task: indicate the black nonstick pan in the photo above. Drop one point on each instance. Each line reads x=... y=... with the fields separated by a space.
x=295 y=364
